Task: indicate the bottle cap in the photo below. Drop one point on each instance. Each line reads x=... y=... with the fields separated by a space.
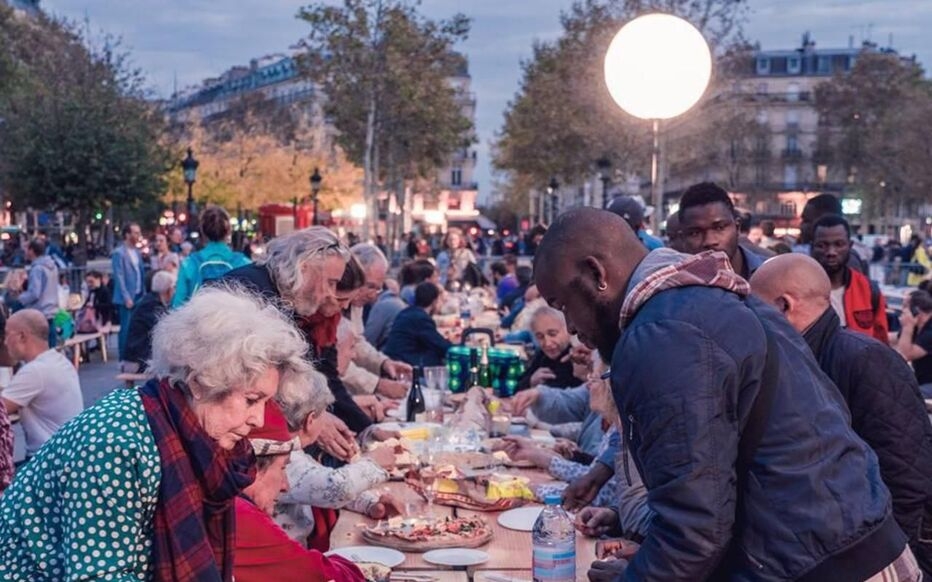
x=553 y=499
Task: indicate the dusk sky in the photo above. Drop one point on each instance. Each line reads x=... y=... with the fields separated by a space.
x=194 y=39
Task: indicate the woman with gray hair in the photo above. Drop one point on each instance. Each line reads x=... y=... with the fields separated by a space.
x=306 y=511
x=142 y=484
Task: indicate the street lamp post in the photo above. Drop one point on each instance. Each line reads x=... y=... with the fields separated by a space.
x=552 y=188
x=189 y=166
x=605 y=174
x=657 y=67
x=316 y=179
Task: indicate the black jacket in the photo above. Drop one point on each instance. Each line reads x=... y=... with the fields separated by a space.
x=258 y=278
x=414 y=339
x=685 y=373
x=145 y=315
x=888 y=413
x=562 y=370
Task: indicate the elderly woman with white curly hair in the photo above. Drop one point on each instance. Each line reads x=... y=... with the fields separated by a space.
x=141 y=486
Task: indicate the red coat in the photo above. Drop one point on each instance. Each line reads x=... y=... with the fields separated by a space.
x=264 y=553
x=860 y=315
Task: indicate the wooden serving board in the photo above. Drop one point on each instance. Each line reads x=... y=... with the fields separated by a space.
x=420 y=547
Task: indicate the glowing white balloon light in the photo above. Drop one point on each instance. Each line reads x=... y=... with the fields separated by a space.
x=658 y=66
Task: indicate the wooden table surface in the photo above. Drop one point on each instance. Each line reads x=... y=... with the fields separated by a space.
x=509 y=551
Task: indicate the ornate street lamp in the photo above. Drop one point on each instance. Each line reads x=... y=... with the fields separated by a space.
x=316 y=179
x=552 y=188
x=189 y=167
x=604 y=166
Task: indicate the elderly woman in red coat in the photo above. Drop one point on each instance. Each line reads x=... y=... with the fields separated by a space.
x=264 y=551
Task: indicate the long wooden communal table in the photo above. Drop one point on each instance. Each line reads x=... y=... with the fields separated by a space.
x=509 y=551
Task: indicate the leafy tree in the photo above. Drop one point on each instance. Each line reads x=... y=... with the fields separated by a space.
x=259 y=152
x=562 y=120
x=384 y=70
x=78 y=134
x=873 y=132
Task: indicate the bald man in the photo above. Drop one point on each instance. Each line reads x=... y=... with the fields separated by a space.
x=879 y=387
x=45 y=392
x=752 y=469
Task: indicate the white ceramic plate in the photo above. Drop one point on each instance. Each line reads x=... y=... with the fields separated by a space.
x=385 y=556
x=456 y=557
x=521 y=519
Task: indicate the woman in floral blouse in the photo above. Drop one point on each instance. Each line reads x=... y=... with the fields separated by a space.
x=306 y=510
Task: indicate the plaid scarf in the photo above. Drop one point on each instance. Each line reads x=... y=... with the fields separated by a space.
x=708 y=269
x=194 y=529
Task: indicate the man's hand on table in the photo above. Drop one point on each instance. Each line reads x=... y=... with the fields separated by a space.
x=541 y=376
x=372 y=406
x=565 y=448
x=582 y=491
x=394 y=369
x=607 y=571
x=596 y=522
x=524 y=449
x=387 y=506
x=336 y=438
x=391 y=388
x=383 y=457
x=381 y=434
x=523 y=400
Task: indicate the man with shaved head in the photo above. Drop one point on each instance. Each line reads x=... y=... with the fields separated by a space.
x=752 y=469
x=45 y=392
x=881 y=391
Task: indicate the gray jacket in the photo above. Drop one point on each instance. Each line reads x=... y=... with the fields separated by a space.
x=42 y=291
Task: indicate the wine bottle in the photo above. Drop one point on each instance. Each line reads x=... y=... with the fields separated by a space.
x=474 y=369
x=415 y=405
x=485 y=376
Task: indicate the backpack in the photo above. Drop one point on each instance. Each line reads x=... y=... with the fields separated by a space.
x=209 y=270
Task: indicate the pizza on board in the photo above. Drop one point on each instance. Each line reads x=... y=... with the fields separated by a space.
x=428 y=533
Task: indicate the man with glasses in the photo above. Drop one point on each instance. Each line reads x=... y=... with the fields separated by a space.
x=371 y=371
x=855 y=298
x=708 y=223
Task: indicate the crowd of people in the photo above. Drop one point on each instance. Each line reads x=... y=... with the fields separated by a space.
x=738 y=406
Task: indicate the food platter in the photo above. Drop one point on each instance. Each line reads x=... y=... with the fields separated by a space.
x=424 y=534
x=478 y=492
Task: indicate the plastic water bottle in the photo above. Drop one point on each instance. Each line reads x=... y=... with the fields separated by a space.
x=554 y=542
x=465 y=313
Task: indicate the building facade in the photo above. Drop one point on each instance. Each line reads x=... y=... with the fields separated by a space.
x=771 y=165
x=451 y=194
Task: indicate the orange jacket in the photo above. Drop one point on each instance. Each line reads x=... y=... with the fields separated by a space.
x=860 y=314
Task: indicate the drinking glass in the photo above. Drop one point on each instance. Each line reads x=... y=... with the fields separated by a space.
x=433 y=405
x=428 y=476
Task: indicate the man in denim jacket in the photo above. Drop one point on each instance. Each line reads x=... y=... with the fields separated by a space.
x=688 y=351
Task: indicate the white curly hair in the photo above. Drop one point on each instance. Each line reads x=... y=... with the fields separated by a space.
x=224 y=339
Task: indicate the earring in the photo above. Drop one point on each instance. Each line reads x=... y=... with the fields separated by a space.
x=603 y=286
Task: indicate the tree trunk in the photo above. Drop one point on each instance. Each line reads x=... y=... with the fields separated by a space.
x=367 y=166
